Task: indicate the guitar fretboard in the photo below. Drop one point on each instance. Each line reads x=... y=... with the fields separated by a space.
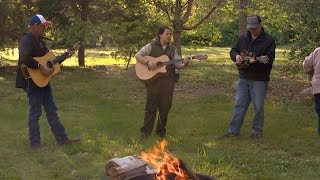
x=178 y=60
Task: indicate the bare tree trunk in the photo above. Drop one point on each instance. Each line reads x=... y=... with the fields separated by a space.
x=242 y=17
x=129 y=58
x=84 y=12
x=81 y=60
x=177 y=41
x=177 y=26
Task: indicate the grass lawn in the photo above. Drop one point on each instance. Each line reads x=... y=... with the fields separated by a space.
x=104 y=105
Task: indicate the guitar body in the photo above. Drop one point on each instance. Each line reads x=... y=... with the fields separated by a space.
x=36 y=75
x=147 y=75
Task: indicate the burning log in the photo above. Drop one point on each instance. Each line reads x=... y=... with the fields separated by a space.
x=188 y=170
x=168 y=166
x=159 y=164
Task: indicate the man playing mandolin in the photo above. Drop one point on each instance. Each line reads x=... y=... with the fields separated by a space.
x=253 y=54
x=32 y=45
x=160 y=90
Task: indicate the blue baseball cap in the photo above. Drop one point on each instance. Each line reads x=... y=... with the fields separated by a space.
x=37 y=20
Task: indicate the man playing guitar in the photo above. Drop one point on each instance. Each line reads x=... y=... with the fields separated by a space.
x=32 y=45
x=160 y=90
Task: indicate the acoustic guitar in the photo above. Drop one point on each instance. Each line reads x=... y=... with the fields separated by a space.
x=49 y=60
x=147 y=75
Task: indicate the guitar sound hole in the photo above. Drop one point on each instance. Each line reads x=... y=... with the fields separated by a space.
x=49 y=64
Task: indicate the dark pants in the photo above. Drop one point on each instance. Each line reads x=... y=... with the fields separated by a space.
x=159 y=98
x=317 y=107
x=39 y=97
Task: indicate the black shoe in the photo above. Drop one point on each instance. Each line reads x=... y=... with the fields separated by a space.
x=256 y=135
x=161 y=135
x=229 y=135
x=69 y=141
x=143 y=136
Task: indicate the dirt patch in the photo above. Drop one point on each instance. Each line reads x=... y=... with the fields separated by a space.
x=283 y=89
x=7 y=70
x=205 y=89
x=279 y=90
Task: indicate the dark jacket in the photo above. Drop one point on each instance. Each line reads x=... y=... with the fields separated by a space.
x=263 y=45
x=29 y=47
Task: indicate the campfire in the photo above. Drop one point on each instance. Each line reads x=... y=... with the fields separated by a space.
x=156 y=164
x=164 y=163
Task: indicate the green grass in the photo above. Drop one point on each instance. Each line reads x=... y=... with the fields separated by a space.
x=104 y=106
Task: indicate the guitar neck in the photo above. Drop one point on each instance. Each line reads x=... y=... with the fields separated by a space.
x=178 y=60
x=60 y=59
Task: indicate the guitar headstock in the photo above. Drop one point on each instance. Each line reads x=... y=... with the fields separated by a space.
x=76 y=46
x=72 y=50
x=201 y=57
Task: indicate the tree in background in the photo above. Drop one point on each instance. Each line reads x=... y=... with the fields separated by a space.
x=13 y=21
x=76 y=20
x=242 y=16
x=129 y=28
x=218 y=30
x=178 y=13
x=303 y=21
x=98 y=22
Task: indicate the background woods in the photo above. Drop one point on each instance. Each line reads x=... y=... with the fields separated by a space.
x=127 y=25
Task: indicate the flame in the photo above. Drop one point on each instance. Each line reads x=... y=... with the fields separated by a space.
x=163 y=162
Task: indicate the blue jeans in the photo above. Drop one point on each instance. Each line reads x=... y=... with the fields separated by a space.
x=39 y=97
x=317 y=107
x=247 y=91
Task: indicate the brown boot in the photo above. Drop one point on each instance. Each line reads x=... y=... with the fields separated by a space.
x=70 y=141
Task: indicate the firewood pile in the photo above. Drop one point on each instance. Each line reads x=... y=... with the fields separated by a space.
x=135 y=168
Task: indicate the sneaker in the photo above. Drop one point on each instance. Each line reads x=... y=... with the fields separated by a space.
x=256 y=135
x=69 y=141
x=228 y=135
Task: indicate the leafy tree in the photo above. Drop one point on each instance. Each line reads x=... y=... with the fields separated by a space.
x=77 y=20
x=129 y=28
x=303 y=21
x=178 y=13
x=275 y=18
x=217 y=30
x=13 y=21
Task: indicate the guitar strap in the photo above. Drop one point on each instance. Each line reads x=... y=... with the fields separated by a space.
x=24 y=71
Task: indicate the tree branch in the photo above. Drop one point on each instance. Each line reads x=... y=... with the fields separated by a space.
x=205 y=17
x=163 y=8
x=188 y=12
x=233 y=14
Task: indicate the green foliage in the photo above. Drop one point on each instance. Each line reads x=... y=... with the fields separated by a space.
x=131 y=29
x=13 y=21
x=76 y=31
x=217 y=33
x=127 y=25
x=304 y=19
x=218 y=30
